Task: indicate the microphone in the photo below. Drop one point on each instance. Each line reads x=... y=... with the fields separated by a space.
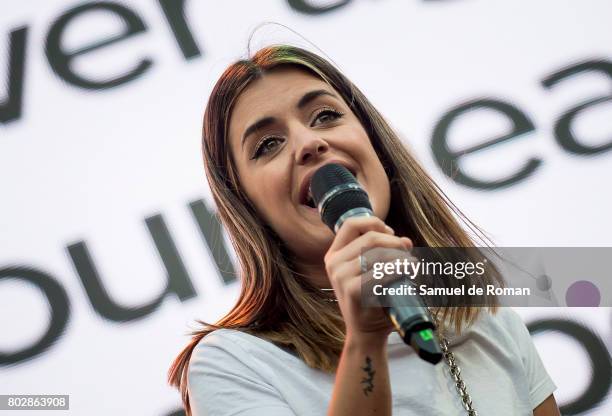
x=338 y=196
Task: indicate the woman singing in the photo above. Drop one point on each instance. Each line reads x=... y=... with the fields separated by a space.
x=287 y=348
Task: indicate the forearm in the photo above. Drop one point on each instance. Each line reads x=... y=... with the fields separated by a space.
x=362 y=384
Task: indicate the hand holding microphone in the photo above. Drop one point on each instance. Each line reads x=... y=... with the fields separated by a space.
x=345 y=208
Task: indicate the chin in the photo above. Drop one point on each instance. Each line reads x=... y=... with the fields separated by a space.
x=380 y=213
x=380 y=205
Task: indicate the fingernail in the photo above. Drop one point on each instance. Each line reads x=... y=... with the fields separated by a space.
x=390 y=229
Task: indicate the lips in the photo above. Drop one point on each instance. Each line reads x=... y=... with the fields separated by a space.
x=305 y=195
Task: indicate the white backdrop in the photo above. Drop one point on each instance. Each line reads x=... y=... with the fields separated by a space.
x=90 y=165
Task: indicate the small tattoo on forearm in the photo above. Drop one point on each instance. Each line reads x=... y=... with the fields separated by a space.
x=368 y=382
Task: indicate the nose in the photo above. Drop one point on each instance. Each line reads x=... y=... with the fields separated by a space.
x=310 y=148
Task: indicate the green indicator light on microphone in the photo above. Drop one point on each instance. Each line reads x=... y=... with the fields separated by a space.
x=425 y=343
x=426 y=334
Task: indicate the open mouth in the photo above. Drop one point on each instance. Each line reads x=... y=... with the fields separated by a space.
x=309 y=202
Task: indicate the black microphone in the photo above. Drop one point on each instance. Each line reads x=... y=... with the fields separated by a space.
x=339 y=196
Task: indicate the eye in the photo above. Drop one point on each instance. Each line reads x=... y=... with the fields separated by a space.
x=327 y=115
x=266 y=145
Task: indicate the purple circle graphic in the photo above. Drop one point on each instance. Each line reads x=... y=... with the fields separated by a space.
x=583 y=294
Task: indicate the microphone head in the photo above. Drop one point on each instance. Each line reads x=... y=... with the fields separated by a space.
x=337 y=194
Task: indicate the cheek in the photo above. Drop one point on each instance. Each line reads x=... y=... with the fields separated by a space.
x=380 y=193
x=376 y=177
x=269 y=193
x=356 y=143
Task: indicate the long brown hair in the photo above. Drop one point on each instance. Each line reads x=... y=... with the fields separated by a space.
x=275 y=302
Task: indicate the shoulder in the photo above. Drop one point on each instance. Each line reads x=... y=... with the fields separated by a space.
x=504 y=321
x=218 y=363
x=227 y=375
x=500 y=333
x=234 y=350
x=501 y=339
x=510 y=335
x=510 y=323
x=221 y=339
x=539 y=382
x=222 y=346
x=236 y=342
x=508 y=318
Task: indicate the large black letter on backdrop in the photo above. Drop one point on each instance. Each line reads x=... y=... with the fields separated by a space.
x=59 y=306
x=211 y=231
x=174 y=10
x=563 y=128
x=601 y=368
x=448 y=160
x=61 y=60
x=304 y=6
x=178 y=279
x=11 y=108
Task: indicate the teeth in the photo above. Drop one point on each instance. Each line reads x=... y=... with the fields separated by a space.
x=309 y=199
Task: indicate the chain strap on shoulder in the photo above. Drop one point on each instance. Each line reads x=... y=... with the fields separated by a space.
x=454 y=370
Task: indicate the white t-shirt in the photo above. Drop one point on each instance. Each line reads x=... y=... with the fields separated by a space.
x=234 y=373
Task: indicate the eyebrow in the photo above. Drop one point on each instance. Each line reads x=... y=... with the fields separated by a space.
x=266 y=121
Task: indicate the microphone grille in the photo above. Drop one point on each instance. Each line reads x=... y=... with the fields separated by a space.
x=333 y=177
x=342 y=203
x=328 y=177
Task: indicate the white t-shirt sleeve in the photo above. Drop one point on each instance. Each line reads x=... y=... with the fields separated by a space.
x=540 y=384
x=223 y=382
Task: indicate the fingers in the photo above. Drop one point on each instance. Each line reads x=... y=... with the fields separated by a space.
x=355 y=266
x=355 y=227
x=344 y=269
x=357 y=235
x=371 y=240
x=346 y=261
